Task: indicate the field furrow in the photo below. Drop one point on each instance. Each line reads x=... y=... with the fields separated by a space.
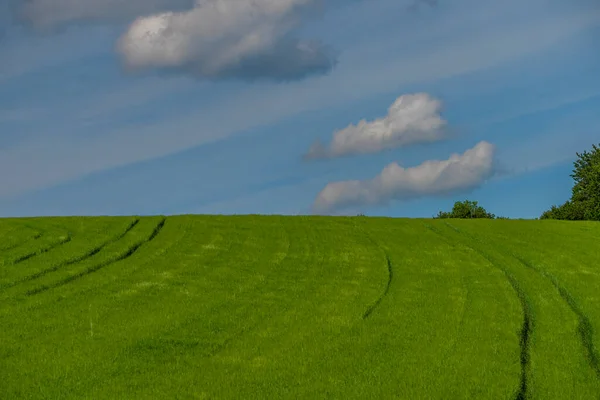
x=44 y=243
x=554 y=261
x=526 y=329
x=390 y=269
x=81 y=247
x=552 y=326
x=312 y=299
x=232 y=273
x=390 y=273
x=298 y=307
x=14 y=235
x=584 y=328
x=112 y=252
x=428 y=329
x=527 y=324
x=82 y=257
x=114 y=257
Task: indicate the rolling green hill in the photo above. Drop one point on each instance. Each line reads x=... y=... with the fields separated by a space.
x=268 y=307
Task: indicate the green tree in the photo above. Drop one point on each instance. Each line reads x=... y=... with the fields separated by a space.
x=585 y=194
x=466 y=209
x=574 y=211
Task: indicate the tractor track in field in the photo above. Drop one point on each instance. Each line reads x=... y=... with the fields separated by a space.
x=390 y=270
x=101 y=265
x=41 y=251
x=584 y=326
x=585 y=329
x=528 y=322
x=72 y=261
x=377 y=302
x=36 y=236
x=525 y=334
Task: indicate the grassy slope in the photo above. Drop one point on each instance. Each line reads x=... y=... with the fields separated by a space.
x=301 y=307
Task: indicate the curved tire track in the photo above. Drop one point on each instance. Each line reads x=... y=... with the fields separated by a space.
x=390 y=270
x=377 y=302
x=41 y=251
x=584 y=327
x=528 y=322
x=128 y=253
x=78 y=259
x=31 y=238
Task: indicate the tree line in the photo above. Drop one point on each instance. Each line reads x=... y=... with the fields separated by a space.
x=584 y=204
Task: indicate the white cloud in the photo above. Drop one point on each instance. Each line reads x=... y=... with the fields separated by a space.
x=460 y=172
x=412 y=118
x=223 y=38
x=375 y=64
x=49 y=14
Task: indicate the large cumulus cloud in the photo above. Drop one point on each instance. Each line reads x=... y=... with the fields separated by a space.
x=248 y=39
x=460 y=172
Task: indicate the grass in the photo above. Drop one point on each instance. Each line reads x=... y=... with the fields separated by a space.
x=298 y=307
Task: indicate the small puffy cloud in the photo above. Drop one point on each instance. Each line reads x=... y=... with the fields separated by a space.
x=50 y=14
x=411 y=119
x=247 y=39
x=461 y=172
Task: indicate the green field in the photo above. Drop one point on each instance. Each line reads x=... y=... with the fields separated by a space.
x=269 y=307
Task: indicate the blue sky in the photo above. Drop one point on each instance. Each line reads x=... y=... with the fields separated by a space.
x=92 y=122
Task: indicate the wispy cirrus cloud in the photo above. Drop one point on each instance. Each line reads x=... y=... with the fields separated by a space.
x=460 y=172
x=411 y=119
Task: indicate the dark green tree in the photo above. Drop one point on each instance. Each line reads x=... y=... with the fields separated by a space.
x=466 y=209
x=584 y=203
